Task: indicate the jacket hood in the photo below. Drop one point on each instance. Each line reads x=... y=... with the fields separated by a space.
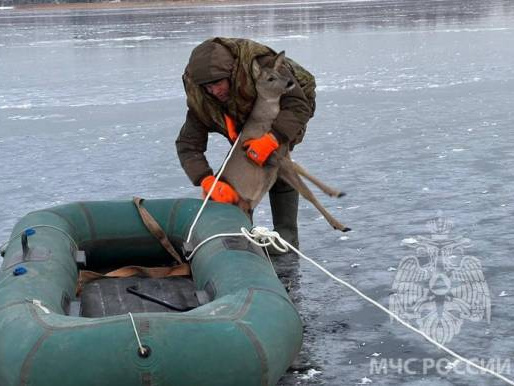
x=210 y=62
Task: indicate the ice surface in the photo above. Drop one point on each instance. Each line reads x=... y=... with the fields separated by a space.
x=411 y=95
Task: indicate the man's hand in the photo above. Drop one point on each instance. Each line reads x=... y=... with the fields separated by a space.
x=259 y=149
x=222 y=192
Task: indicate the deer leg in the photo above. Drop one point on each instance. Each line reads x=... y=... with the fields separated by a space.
x=285 y=160
x=324 y=188
x=292 y=178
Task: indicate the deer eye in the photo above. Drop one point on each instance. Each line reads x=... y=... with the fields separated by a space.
x=271 y=79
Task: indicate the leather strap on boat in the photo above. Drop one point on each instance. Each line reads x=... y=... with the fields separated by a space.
x=155 y=229
x=133 y=270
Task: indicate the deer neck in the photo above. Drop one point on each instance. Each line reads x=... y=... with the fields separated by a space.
x=265 y=110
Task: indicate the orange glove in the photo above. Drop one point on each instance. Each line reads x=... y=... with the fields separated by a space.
x=222 y=192
x=259 y=149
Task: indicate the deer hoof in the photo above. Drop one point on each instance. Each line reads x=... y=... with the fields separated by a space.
x=346 y=229
x=340 y=194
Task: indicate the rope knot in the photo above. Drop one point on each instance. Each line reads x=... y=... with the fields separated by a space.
x=263 y=237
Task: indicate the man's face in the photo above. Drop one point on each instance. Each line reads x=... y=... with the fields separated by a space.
x=220 y=89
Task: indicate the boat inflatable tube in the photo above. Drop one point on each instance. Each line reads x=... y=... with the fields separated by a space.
x=247 y=333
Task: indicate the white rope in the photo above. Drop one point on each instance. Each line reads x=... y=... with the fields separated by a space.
x=263 y=237
x=211 y=189
x=4 y=246
x=260 y=236
x=188 y=258
x=142 y=350
x=40 y=305
x=401 y=321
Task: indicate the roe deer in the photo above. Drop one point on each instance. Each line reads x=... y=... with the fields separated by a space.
x=251 y=181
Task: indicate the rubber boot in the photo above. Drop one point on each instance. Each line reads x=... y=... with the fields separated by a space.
x=284 y=209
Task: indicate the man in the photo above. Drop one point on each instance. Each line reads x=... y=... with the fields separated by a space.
x=220 y=96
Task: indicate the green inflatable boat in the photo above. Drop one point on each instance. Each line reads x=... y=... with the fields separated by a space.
x=230 y=323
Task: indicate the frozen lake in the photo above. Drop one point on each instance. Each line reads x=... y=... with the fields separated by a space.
x=414 y=121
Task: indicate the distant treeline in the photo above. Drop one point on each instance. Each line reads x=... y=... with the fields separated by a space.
x=27 y=2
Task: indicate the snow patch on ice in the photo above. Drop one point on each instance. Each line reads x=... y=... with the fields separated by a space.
x=33 y=117
x=311 y=373
x=21 y=106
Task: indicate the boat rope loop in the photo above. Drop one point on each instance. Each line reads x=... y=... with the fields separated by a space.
x=4 y=246
x=263 y=237
x=142 y=351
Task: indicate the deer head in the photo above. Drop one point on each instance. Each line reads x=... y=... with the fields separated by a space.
x=269 y=82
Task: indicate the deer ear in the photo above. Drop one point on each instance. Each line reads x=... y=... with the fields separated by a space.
x=279 y=60
x=256 y=69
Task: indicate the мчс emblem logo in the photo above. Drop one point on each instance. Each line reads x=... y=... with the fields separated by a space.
x=440 y=287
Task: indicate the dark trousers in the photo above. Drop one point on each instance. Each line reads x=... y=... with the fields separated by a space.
x=284 y=210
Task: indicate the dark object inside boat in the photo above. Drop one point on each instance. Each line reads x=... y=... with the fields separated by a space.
x=117 y=296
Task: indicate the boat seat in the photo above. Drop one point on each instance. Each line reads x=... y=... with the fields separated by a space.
x=117 y=296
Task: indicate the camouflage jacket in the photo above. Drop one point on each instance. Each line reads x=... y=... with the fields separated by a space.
x=205 y=113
